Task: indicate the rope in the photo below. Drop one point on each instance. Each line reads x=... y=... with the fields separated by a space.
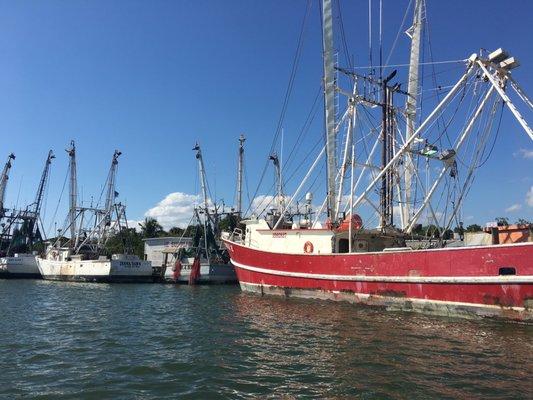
x=58 y=203
x=286 y=99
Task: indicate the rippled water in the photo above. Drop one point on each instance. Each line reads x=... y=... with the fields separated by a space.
x=97 y=341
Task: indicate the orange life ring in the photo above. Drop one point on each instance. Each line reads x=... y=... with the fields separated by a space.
x=308 y=247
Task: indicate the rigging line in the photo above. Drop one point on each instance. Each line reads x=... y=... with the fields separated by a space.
x=431 y=58
x=495 y=138
x=343 y=36
x=399 y=31
x=292 y=78
x=304 y=130
x=57 y=206
x=479 y=151
x=289 y=179
x=434 y=74
x=288 y=92
x=444 y=130
x=245 y=171
x=45 y=200
x=470 y=114
x=370 y=36
x=381 y=39
x=407 y=65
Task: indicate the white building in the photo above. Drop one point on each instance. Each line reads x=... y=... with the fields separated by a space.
x=153 y=247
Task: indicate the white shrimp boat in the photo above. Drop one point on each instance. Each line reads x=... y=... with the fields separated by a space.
x=60 y=265
x=81 y=258
x=19 y=260
x=20 y=266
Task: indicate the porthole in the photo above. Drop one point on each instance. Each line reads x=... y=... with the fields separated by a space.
x=507 y=271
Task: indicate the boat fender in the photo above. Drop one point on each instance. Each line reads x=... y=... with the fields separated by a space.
x=308 y=247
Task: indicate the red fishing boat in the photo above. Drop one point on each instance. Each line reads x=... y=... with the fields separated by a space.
x=394 y=264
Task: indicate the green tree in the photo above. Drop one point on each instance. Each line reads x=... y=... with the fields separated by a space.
x=522 y=221
x=127 y=241
x=432 y=231
x=474 y=228
x=175 y=231
x=151 y=228
x=502 y=221
x=228 y=223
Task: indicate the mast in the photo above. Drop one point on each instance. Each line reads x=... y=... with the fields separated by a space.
x=412 y=89
x=42 y=184
x=279 y=185
x=239 y=175
x=105 y=223
x=3 y=182
x=203 y=183
x=329 y=104
x=111 y=193
x=201 y=168
x=387 y=153
x=34 y=223
x=73 y=189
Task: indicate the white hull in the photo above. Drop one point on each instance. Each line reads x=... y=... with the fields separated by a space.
x=19 y=266
x=209 y=274
x=96 y=270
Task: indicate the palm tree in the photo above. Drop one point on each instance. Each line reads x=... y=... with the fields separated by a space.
x=150 y=228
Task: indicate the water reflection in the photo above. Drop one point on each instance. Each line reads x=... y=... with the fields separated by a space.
x=165 y=341
x=359 y=351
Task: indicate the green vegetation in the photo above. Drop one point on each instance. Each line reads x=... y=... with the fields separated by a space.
x=126 y=241
x=474 y=228
x=151 y=228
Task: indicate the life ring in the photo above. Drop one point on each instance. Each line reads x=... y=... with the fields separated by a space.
x=308 y=247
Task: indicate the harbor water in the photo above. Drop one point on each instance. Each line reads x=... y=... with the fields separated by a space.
x=97 y=341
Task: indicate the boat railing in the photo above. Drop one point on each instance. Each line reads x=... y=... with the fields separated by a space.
x=237 y=236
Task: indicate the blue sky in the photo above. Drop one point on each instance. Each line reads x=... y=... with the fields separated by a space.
x=152 y=77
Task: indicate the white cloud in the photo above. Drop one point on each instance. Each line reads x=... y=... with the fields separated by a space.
x=263 y=203
x=529 y=197
x=176 y=209
x=133 y=223
x=524 y=153
x=513 y=208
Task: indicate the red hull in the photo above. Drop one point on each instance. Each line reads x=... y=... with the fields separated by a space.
x=451 y=281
